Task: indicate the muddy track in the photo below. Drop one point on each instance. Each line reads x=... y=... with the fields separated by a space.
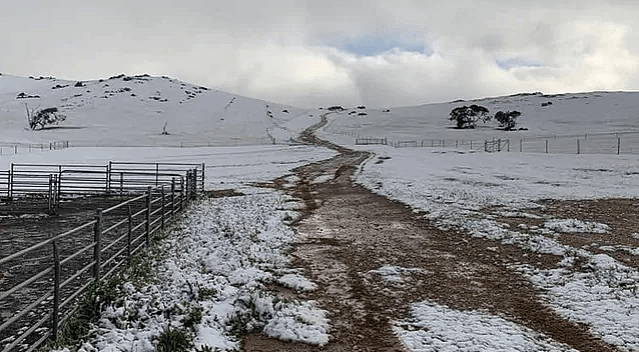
x=347 y=232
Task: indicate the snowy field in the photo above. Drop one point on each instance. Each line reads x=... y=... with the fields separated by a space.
x=225 y=251
x=226 y=167
x=451 y=187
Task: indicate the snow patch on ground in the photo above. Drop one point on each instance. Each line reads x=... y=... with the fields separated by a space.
x=604 y=297
x=438 y=328
x=575 y=225
x=297 y=282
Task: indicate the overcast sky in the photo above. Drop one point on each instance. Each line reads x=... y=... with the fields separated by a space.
x=312 y=53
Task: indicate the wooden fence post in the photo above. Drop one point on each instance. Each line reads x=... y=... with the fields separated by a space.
x=97 y=240
x=56 y=291
x=147 y=234
x=546 y=146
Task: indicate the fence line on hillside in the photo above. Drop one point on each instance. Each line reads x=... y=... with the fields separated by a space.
x=19 y=148
x=588 y=143
x=111 y=239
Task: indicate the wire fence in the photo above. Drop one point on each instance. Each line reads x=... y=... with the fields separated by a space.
x=590 y=143
x=41 y=283
x=20 y=148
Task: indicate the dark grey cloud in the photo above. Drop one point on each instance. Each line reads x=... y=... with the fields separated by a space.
x=309 y=53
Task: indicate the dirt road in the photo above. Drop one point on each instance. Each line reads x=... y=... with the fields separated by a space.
x=347 y=233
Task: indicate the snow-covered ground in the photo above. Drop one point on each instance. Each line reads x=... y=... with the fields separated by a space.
x=135 y=110
x=226 y=167
x=217 y=261
x=233 y=246
x=451 y=187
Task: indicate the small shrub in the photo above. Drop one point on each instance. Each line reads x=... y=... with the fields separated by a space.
x=361 y=107
x=193 y=318
x=174 y=340
x=335 y=108
x=205 y=293
x=97 y=295
x=79 y=84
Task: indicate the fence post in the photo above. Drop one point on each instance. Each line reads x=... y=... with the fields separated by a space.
x=578 y=147
x=56 y=290
x=147 y=234
x=546 y=146
x=97 y=249
x=204 y=167
x=121 y=184
x=108 y=177
x=618 y=145
x=11 y=182
x=188 y=184
x=163 y=209
x=499 y=145
x=172 y=196
x=129 y=234
x=521 y=145
x=50 y=198
x=157 y=171
x=181 y=193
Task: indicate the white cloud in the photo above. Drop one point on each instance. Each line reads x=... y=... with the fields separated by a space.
x=278 y=50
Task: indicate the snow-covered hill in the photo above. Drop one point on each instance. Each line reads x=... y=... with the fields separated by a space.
x=542 y=115
x=132 y=110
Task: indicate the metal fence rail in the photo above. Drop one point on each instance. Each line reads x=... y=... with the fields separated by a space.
x=32 y=180
x=61 y=268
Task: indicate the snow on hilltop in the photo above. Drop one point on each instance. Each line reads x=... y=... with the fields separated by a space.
x=132 y=110
x=542 y=115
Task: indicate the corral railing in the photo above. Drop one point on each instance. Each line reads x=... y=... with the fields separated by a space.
x=28 y=180
x=41 y=283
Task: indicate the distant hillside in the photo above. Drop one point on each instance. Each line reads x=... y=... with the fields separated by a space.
x=542 y=115
x=133 y=110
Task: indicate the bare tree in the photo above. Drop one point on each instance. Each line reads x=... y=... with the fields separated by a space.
x=42 y=117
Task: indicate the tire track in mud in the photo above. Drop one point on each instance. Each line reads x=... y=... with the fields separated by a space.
x=347 y=232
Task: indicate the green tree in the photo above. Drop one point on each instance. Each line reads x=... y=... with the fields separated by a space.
x=467 y=116
x=507 y=119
